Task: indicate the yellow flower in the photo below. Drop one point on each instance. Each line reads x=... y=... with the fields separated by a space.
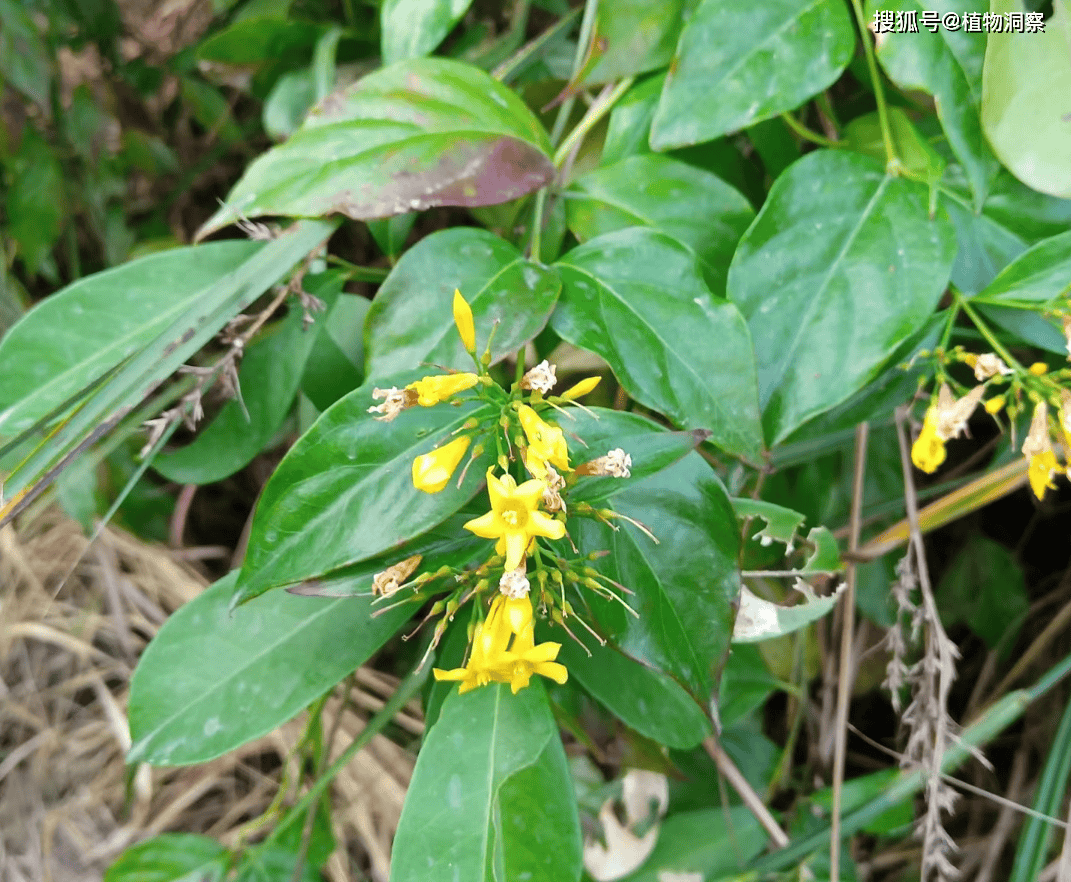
x=928 y=451
x=517 y=665
x=1038 y=368
x=1041 y=470
x=514 y=519
x=463 y=320
x=580 y=389
x=995 y=404
x=432 y=390
x=546 y=443
x=489 y=661
x=432 y=471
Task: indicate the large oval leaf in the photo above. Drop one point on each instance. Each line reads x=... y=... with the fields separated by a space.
x=411 y=320
x=739 y=62
x=840 y=266
x=414 y=135
x=636 y=298
x=344 y=492
x=689 y=204
x=630 y=37
x=684 y=585
x=78 y=334
x=491 y=798
x=213 y=679
x=1026 y=100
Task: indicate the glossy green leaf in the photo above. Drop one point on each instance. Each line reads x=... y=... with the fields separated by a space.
x=288 y=102
x=595 y=431
x=24 y=60
x=35 y=200
x=840 y=266
x=986 y=245
x=746 y=683
x=915 y=153
x=413 y=28
x=757 y=59
x=630 y=37
x=946 y=64
x=684 y=584
x=630 y=121
x=344 y=492
x=491 y=797
x=643 y=699
x=691 y=205
x=77 y=334
x=1039 y=276
x=254 y=39
x=171 y=857
x=268 y=379
x=415 y=135
x=411 y=322
x=1026 y=212
x=1025 y=87
x=390 y=233
x=335 y=365
x=712 y=843
x=636 y=298
x=214 y=678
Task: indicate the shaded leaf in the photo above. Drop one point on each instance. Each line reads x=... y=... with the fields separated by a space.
x=758 y=619
x=411 y=136
x=35 y=201
x=758 y=59
x=506 y=810
x=171 y=857
x=691 y=205
x=841 y=265
x=24 y=60
x=411 y=322
x=213 y=679
x=413 y=28
x=631 y=37
x=635 y=297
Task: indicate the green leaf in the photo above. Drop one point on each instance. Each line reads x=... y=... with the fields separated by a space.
x=840 y=266
x=631 y=37
x=1025 y=105
x=693 y=206
x=415 y=135
x=254 y=39
x=288 y=102
x=77 y=334
x=35 y=202
x=411 y=322
x=171 y=857
x=213 y=679
x=266 y=864
x=644 y=699
x=915 y=153
x=597 y=430
x=491 y=797
x=1039 y=276
x=684 y=584
x=636 y=298
x=714 y=843
x=758 y=619
x=268 y=380
x=334 y=367
x=344 y=492
x=630 y=121
x=413 y=28
x=758 y=59
x=946 y=64
x=24 y=60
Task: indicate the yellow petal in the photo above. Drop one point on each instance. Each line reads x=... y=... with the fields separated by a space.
x=463 y=319
x=581 y=388
x=432 y=471
x=514 y=545
x=541 y=524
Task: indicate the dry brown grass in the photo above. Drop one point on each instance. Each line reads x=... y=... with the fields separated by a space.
x=66 y=657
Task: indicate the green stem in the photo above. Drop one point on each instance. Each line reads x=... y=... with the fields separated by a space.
x=892 y=160
x=950 y=323
x=536 y=242
x=983 y=329
x=357 y=273
x=806 y=133
x=507 y=68
x=595 y=113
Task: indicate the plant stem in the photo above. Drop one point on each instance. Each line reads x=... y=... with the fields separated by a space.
x=595 y=113
x=983 y=329
x=892 y=160
x=806 y=133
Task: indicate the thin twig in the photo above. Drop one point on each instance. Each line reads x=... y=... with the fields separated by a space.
x=844 y=680
x=750 y=798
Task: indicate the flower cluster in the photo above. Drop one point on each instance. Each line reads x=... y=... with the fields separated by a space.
x=527 y=490
x=1034 y=386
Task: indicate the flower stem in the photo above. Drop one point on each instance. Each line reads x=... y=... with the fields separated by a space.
x=806 y=133
x=893 y=161
x=984 y=330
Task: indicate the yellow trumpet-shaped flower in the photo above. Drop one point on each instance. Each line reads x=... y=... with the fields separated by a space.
x=515 y=519
x=517 y=665
x=432 y=471
x=1037 y=448
x=546 y=443
x=928 y=451
x=580 y=389
x=463 y=319
x=432 y=390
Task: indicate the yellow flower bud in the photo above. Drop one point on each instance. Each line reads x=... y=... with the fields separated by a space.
x=432 y=390
x=995 y=404
x=463 y=320
x=928 y=451
x=1038 y=368
x=581 y=388
x=432 y=471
